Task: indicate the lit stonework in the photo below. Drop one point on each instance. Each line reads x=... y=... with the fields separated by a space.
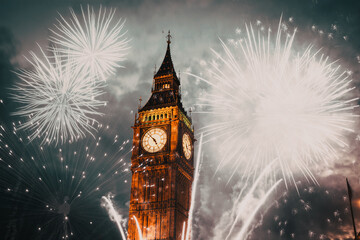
x=161 y=174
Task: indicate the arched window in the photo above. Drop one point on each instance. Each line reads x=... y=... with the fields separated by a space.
x=145 y=119
x=157 y=117
x=165 y=115
x=161 y=116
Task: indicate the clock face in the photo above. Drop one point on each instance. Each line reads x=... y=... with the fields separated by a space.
x=154 y=140
x=187 y=145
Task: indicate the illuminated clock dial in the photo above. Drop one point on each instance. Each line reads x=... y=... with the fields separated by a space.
x=154 y=140
x=187 y=145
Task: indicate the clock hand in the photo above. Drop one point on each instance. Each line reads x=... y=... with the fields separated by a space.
x=154 y=140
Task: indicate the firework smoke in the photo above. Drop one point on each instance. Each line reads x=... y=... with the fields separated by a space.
x=269 y=103
x=96 y=42
x=59 y=102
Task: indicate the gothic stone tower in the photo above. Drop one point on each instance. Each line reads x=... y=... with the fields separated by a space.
x=162 y=160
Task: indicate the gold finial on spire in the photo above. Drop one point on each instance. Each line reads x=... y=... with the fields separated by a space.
x=140 y=100
x=168 y=37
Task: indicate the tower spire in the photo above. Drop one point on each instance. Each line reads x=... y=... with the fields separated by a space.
x=168 y=38
x=167 y=66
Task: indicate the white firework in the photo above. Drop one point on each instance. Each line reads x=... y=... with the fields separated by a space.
x=96 y=42
x=269 y=103
x=58 y=101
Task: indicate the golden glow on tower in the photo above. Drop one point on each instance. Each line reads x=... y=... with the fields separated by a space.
x=162 y=160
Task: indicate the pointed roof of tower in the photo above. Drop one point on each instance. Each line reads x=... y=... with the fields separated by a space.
x=167 y=66
x=161 y=95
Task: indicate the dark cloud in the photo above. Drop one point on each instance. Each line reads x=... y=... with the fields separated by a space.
x=8 y=50
x=320 y=212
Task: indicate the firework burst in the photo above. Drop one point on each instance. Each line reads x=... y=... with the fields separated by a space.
x=96 y=42
x=55 y=193
x=59 y=101
x=270 y=103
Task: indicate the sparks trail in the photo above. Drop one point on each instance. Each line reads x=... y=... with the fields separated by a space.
x=242 y=213
x=96 y=42
x=189 y=225
x=106 y=202
x=58 y=190
x=268 y=102
x=59 y=102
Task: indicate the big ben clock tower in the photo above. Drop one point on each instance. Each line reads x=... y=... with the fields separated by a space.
x=162 y=160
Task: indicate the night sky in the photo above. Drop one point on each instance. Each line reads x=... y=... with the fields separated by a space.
x=317 y=212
